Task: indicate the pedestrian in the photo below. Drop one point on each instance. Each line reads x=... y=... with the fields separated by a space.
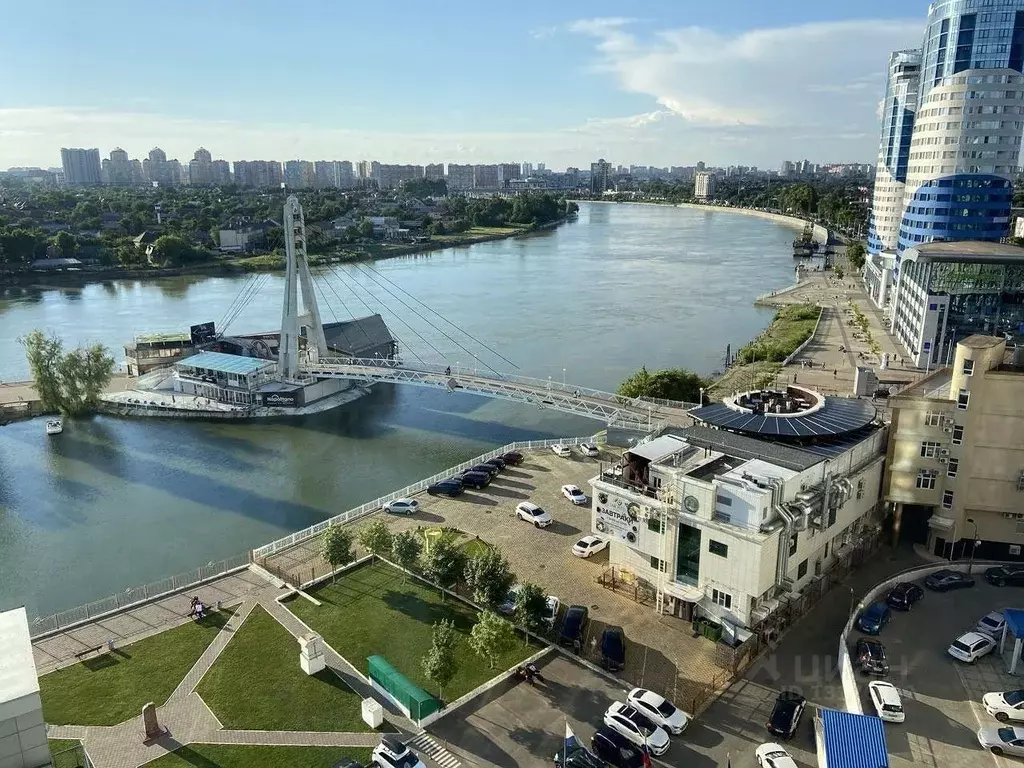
x=834 y=373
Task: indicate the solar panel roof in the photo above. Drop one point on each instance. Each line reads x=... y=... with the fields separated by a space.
x=837 y=416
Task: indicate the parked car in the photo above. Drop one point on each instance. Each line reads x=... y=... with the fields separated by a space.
x=904 y=595
x=573 y=626
x=1003 y=740
x=774 y=756
x=945 y=580
x=561 y=450
x=512 y=458
x=578 y=756
x=613 y=649
x=450 y=487
x=887 y=701
x=992 y=624
x=477 y=480
x=392 y=753
x=589 y=449
x=1008 y=705
x=615 y=749
x=402 y=506
x=873 y=618
x=869 y=657
x=786 y=714
x=659 y=710
x=496 y=462
x=1002 y=575
x=589 y=545
x=551 y=611
x=971 y=646
x=508 y=607
x=574 y=494
x=489 y=469
x=531 y=513
x=636 y=727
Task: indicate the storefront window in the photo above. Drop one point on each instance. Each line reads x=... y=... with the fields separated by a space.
x=688 y=554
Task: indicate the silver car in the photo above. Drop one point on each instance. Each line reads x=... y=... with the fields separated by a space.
x=1002 y=741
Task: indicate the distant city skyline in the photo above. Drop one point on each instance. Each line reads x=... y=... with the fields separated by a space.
x=728 y=83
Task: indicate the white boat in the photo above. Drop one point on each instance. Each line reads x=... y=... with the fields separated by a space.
x=54 y=427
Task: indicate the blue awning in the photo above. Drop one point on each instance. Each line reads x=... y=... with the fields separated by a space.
x=852 y=741
x=1014 y=621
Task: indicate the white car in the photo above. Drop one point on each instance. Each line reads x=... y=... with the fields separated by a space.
x=887 y=701
x=551 y=614
x=636 y=727
x=575 y=495
x=402 y=507
x=561 y=450
x=391 y=753
x=992 y=624
x=971 y=647
x=1003 y=740
x=588 y=545
x=659 y=710
x=531 y=513
x=589 y=449
x=774 y=756
x=1008 y=705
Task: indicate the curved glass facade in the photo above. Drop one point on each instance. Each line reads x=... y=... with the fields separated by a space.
x=960 y=207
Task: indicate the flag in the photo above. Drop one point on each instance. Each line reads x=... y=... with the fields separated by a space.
x=647 y=757
x=571 y=743
x=728 y=760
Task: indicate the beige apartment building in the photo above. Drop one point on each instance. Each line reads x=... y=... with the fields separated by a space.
x=955 y=466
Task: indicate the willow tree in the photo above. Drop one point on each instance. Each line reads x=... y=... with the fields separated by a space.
x=67 y=381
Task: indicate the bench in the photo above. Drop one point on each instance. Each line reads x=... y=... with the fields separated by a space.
x=87 y=651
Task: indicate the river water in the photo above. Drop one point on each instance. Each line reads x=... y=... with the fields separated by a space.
x=115 y=503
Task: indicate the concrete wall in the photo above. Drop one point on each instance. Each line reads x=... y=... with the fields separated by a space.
x=821 y=234
x=22 y=734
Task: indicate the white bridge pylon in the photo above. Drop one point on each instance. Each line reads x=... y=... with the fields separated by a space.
x=610 y=408
x=297 y=276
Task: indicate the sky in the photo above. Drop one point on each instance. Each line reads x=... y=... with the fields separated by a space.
x=662 y=83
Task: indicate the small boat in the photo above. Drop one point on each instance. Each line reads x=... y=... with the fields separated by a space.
x=54 y=427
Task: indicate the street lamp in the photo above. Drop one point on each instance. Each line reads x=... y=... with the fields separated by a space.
x=974 y=544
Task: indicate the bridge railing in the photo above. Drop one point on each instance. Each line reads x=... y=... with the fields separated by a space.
x=362 y=510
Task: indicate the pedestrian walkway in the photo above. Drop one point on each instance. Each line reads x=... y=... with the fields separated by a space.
x=424 y=744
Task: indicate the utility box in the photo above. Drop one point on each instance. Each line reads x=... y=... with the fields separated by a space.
x=373 y=713
x=865 y=382
x=311 y=654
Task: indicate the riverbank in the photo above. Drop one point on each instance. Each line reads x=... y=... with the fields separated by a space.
x=19 y=399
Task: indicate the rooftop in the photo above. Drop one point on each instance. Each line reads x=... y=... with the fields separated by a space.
x=156 y=338
x=853 y=741
x=792 y=413
x=981 y=341
x=967 y=250
x=218 y=361
x=17 y=664
x=743 y=447
x=935 y=386
x=355 y=336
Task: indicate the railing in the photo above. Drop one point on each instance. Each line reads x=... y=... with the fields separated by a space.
x=362 y=510
x=135 y=595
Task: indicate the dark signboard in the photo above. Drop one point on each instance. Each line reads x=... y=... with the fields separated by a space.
x=282 y=399
x=203 y=333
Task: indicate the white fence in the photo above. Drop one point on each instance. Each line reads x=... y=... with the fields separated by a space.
x=410 y=490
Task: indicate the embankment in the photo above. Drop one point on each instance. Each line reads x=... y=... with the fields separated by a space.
x=821 y=234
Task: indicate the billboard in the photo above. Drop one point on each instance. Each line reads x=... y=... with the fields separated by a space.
x=203 y=333
x=282 y=399
x=618 y=518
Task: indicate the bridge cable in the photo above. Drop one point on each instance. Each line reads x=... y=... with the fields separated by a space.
x=231 y=306
x=251 y=293
x=438 y=314
x=349 y=312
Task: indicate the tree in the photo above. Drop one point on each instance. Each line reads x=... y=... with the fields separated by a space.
x=839 y=272
x=65 y=244
x=68 y=382
x=406 y=547
x=492 y=637
x=440 y=663
x=376 y=538
x=531 y=607
x=490 y=577
x=337 y=547
x=855 y=255
x=675 y=384
x=171 y=249
x=446 y=562
x=365 y=229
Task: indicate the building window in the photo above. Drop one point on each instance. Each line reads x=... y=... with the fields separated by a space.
x=801 y=570
x=929 y=449
x=657 y=564
x=962 y=399
x=958 y=435
x=954 y=465
x=933 y=419
x=794 y=539
x=947 y=499
x=655 y=524
x=718 y=548
x=926 y=479
x=721 y=598
x=724 y=500
x=968 y=369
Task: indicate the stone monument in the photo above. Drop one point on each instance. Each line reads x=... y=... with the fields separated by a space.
x=153 y=729
x=311 y=654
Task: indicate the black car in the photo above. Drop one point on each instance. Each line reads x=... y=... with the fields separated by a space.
x=512 y=458
x=869 y=657
x=573 y=624
x=487 y=469
x=1002 y=575
x=472 y=479
x=578 y=756
x=945 y=580
x=903 y=596
x=613 y=649
x=786 y=714
x=450 y=487
x=615 y=749
x=499 y=463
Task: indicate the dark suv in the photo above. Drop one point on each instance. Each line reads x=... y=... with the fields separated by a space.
x=786 y=714
x=499 y=463
x=488 y=469
x=613 y=649
x=472 y=479
x=869 y=657
x=450 y=487
x=615 y=749
x=903 y=596
x=573 y=625
x=513 y=458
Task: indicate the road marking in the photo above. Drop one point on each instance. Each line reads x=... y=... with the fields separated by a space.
x=426 y=745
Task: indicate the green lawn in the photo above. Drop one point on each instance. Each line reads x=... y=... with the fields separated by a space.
x=791 y=327
x=113 y=687
x=257 y=684
x=237 y=756
x=374 y=609
x=65 y=754
x=474 y=547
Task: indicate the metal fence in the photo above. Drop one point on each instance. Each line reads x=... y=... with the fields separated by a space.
x=75 y=757
x=261 y=553
x=135 y=595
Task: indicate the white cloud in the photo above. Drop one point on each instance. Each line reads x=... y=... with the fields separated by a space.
x=542 y=33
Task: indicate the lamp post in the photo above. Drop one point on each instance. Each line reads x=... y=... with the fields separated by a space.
x=563 y=378
x=974 y=544
x=851 y=600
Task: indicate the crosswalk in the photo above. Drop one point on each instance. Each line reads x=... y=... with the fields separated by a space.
x=423 y=745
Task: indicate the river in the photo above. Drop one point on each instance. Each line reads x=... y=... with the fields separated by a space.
x=115 y=503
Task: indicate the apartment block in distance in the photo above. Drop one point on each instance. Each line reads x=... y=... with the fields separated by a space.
x=81 y=166
x=704 y=186
x=955 y=467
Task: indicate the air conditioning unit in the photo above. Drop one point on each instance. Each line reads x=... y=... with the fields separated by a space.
x=948 y=430
x=949 y=423
x=944 y=452
x=1009 y=516
x=1015 y=549
x=943 y=460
